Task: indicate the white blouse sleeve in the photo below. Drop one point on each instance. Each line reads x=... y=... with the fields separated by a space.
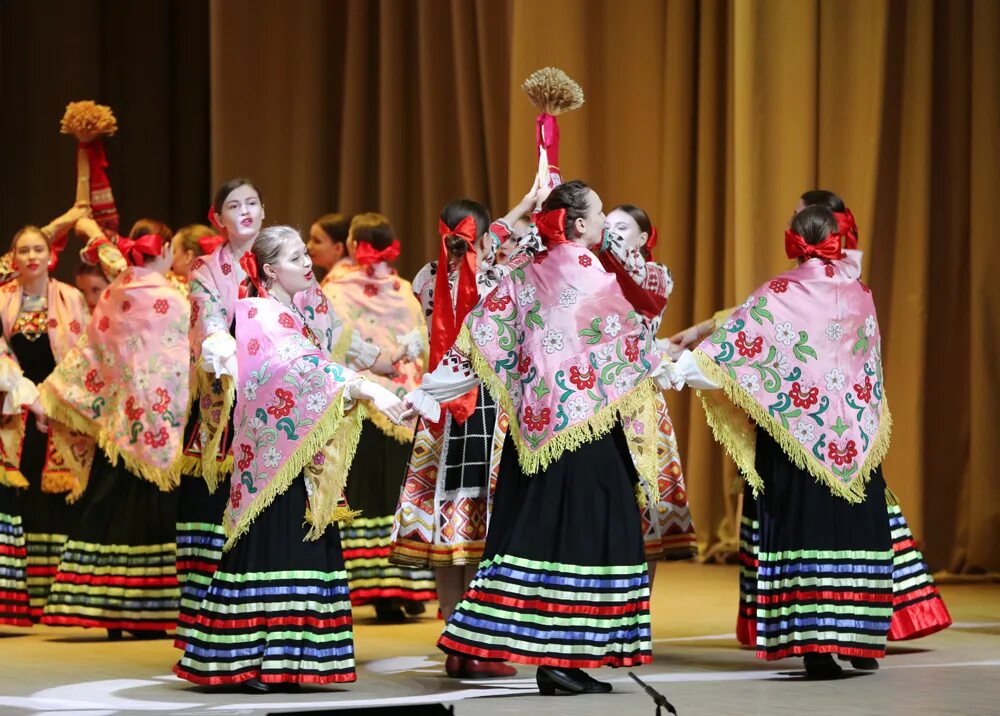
x=452 y=378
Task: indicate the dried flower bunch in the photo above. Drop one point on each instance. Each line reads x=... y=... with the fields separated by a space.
x=87 y=120
x=553 y=91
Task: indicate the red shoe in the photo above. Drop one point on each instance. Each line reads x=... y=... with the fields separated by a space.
x=454 y=666
x=478 y=669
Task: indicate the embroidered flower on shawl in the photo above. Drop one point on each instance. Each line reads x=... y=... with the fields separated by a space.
x=834 y=332
x=286 y=320
x=227 y=269
x=577 y=407
x=103 y=324
x=835 y=379
x=323 y=307
x=126 y=306
x=784 y=333
x=371 y=290
x=133 y=343
x=250 y=390
x=195 y=312
x=536 y=423
x=170 y=339
x=141 y=381
x=750 y=382
x=524 y=364
x=483 y=333
x=613 y=325
x=870 y=326
x=498 y=300
x=251 y=312
x=778 y=285
x=271 y=457
x=92 y=382
x=158 y=439
x=624 y=381
x=750 y=302
x=75 y=327
x=782 y=365
x=161 y=306
x=829 y=270
x=287 y=349
x=803 y=398
x=567 y=297
x=235 y=496
x=606 y=353
x=160 y=407
x=526 y=296
x=284 y=403
x=864 y=392
x=632 y=349
x=198 y=263
x=842 y=455
x=584 y=379
x=246 y=457
x=864 y=286
x=316 y=403
x=869 y=423
x=553 y=341
x=584 y=260
x=804 y=432
x=253 y=345
x=131 y=412
x=749 y=347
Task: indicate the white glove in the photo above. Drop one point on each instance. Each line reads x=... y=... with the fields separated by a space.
x=377 y=395
x=218 y=355
x=690 y=374
x=424 y=404
x=23 y=392
x=413 y=342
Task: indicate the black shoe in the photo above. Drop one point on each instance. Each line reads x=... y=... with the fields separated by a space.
x=414 y=609
x=114 y=634
x=589 y=683
x=551 y=679
x=148 y=633
x=822 y=667
x=256 y=686
x=862 y=663
x=388 y=613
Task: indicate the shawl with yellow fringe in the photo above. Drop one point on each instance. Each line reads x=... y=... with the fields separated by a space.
x=802 y=357
x=126 y=381
x=290 y=419
x=564 y=353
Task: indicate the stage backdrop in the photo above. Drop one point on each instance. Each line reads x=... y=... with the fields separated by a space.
x=713 y=116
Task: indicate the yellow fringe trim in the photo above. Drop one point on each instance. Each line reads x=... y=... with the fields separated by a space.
x=400 y=433
x=568 y=439
x=211 y=469
x=731 y=429
x=12 y=477
x=345 y=430
x=339 y=352
x=57 y=409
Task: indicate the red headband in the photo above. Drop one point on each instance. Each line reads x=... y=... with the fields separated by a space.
x=249 y=263
x=208 y=244
x=847 y=227
x=366 y=253
x=828 y=249
x=136 y=250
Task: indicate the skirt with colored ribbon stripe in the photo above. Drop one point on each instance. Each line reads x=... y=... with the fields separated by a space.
x=917 y=607
x=563 y=579
x=200 y=537
x=118 y=567
x=13 y=562
x=667 y=529
x=373 y=487
x=816 y=571
x=278 y=607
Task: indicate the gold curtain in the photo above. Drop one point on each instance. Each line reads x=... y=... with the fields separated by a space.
x=714 y=116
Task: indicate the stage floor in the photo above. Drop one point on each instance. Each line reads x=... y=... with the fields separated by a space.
x=697 y=665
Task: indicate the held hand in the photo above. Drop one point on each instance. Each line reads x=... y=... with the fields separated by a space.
x=692 y=336
x=88 y=227
x=409 y=412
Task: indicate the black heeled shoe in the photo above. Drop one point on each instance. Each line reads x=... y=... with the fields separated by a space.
x=822 y=667
x=114 y=634
x=864 y=663
x=589 y=683
x=551 y=679
x=256 y=686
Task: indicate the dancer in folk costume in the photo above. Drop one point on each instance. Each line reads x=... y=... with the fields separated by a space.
x=802 y=359
x=189 y=243
x=126 y=385
x=442 y=515
x=563 y=582
x=237 y=212
x=918 y=609
x=42 y=319
x=277 y=610
x=668 y=531
x=379 y=307
x=328 y=246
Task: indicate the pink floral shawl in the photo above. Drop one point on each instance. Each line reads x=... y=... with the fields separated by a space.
x=214 y=290
x=126 y=381
x=802 y=357
x=564 y=353
x=67 y=466
x=290 y=418
x=379 y=306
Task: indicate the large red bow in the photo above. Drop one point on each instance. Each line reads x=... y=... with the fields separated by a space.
x=651 y=241
x=552 y=227
x=366 y=254
x=208 y=244
x=828 y=249
x=249 y=264
x=847 y=227
x=135 y=251
x=213 y=218
x=445 y=323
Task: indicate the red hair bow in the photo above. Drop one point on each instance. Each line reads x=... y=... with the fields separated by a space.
x=249 y=264
x=367 y=255
x=651 y=241
x=847 y=227
x=828 y=249
x=136 y=250
x=208 y=244
x=552 y=227
x=213 y=218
